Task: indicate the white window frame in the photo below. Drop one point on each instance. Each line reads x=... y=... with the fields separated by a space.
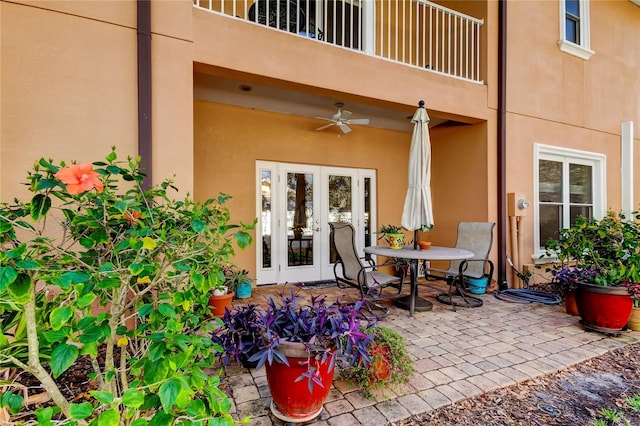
x=598 y=164
x=583 y=49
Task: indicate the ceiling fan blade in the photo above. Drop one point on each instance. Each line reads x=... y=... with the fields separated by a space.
x=344 y=128
x=324 y=118
x=326 y=126
x=345 y=114
x=358 y=121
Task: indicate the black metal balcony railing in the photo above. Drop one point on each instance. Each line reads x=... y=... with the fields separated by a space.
x=417 y=33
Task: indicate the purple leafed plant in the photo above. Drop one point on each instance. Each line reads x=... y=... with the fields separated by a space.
x=330 y=332
x=568 y=277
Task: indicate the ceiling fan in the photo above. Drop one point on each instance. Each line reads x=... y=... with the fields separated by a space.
x=341 y=119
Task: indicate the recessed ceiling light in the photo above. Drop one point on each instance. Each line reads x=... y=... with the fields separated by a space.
x=245 y=88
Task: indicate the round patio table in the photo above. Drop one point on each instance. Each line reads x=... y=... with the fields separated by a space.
x=413 y=256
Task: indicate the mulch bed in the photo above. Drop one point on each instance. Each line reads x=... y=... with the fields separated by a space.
x=574 y=396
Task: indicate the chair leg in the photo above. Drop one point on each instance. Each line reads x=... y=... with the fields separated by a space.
x=378 y=311
x=456 y=295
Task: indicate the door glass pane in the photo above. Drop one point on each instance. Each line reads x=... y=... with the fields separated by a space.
x=340 y=206
x=367 y=212
x=265 y=218
x=300 y=218
x=550 y=175
x=580 y=188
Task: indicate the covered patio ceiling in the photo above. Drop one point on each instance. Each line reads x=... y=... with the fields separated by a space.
x=245 y=94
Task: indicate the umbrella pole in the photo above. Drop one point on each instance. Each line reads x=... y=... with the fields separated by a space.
x=414 y=277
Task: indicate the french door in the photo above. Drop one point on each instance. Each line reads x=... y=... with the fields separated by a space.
x=295 y=203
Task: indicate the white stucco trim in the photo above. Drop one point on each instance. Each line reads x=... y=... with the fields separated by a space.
x=582 y=50
x=596 y=160
x=575 y=50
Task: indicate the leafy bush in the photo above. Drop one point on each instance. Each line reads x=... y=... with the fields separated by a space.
x=95 y=264
x=609 y=248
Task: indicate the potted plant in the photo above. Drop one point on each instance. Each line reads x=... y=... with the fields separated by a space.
x=222 y=292
x=604 y=253
x=393 y=235
x=240 y=335
x=300 y=345
x=425 y=244
x=634 y=319
x=241 y=282
x=567 y=279
x=390 y=363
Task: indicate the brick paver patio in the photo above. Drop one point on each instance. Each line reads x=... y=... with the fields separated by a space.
x=457 y=355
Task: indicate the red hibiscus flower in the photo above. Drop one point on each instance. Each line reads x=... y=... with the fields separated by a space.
x=80 y=178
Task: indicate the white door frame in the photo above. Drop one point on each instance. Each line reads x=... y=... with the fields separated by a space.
x=321 y=268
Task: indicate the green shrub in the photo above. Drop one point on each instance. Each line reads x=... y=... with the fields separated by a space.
x=95 y=264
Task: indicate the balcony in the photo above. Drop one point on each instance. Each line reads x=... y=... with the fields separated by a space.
x=414 y=33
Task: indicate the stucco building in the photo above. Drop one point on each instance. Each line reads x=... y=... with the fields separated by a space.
x=533 y=98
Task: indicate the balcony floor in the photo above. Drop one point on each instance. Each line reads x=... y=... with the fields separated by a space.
x=458 y=355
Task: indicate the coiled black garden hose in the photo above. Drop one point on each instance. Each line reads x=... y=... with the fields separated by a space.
x=525 y=295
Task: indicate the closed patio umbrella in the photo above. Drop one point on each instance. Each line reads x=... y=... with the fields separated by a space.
x=417 y=213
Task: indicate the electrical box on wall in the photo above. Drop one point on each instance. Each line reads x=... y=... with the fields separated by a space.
x=517 y=204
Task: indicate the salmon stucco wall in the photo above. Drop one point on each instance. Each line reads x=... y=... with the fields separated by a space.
x=520 y=167
x=558 y=99
x=320 y=67
x=70 y=92
x=544 y=82
x=60 y=98
x=228 y=141
x=460 y=180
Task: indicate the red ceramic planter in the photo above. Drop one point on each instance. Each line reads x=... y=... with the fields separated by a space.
x=570 y=303
x=292 y=401
x=604 y=309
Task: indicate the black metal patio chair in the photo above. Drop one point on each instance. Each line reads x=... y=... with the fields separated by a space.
x=476 y=237
x=350 y=270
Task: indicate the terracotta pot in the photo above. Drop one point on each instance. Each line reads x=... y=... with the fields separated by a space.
x=634 y=319
x=218 y=304
x=292 y=401
x=424 y=245
x=570 y=303
x=604 y=309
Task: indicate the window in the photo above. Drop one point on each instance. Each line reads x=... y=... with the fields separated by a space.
x=568 y=183
x=574 y=28
x=572 y=21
